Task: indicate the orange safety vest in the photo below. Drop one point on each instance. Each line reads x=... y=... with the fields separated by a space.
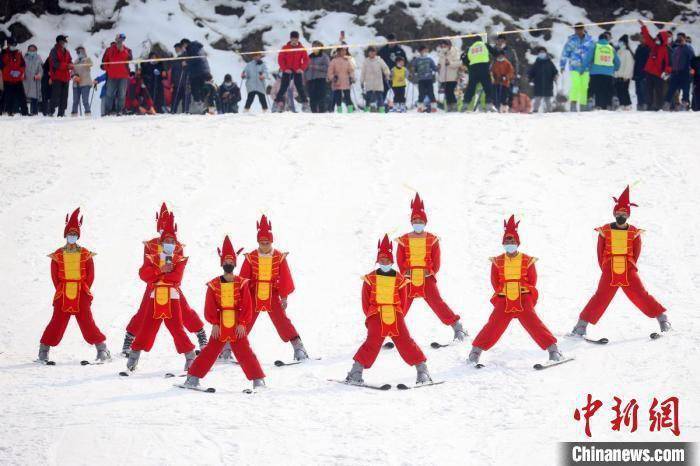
x=384 y=299
x=72 y=272
x=266 y=271
x=619 y=250
x=162 y=306
x=420 y=261
x=511 y=273
x=228 y=300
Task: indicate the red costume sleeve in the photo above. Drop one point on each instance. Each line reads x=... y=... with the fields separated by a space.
x=435 y=256
x=90 y=272
x=54 y=274
x=211 y=310
x=246 y=306
x=175 y=277
x=149 y=272
x=401 y=259
x=532 y=275
x=637 y=247
x=145 y=250
x=601 y=250
x=246 y=270
x=366 y=306
x=497 y=286
x=285 y=285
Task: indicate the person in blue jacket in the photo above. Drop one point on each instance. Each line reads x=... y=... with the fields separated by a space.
x=682 y=55
x=601 y=62
x=575 y=50
x=103 y=102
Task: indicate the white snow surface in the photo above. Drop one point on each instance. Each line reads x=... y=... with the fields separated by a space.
x=332 y=185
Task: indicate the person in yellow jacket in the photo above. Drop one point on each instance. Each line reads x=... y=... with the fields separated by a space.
x=399 y=79
x=477 y=60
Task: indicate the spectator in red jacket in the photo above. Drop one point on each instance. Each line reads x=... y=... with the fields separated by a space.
x=138 y=100
x=60 y=66
x=293 y=61
x=13 y=68
x=657 y=67
x=117 y=74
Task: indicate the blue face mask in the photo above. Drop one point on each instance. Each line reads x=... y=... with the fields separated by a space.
x=510 y=248
x=418 y=227
x=385 y=268
x=72 y=239
x=542 y=56
x=168 y=248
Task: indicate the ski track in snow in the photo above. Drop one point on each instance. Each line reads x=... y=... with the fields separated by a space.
x=332 y=185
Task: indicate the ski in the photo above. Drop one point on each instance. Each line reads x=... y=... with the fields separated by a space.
x=657 y=335
x=125 y=373
x=402 y=386
x=384 y=387
x=599 y=341
x=45 y=362
x=389 y=345
x=280 y=363
x=197 y=389
x=436 y=345
x=547 y=364
x=85 y=362
x=170 y=375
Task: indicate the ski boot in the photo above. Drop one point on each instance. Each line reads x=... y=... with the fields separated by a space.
x=351 y=108
x=103 y=354
x=189 y=359
x=422 y=374
x=664 y=324
x=191 y=381
x=133 y=360
x=226 y=352
x=460 y=334
x=202 y=339
x=126 y=347
x=299 y=350
x=474 y=355
x=554 y=353
x=579 y=329
x=43 y=353
x=355 y=375
x=573 y=107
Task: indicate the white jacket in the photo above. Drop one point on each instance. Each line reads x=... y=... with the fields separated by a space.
x=626 y=70
x=448 y=64
x=374 y=71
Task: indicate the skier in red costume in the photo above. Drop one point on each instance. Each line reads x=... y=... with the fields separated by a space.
x=619 y=247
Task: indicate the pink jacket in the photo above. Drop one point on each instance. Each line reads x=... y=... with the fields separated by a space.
x=340 y=73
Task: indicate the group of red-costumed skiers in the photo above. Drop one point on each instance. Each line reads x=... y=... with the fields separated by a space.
x=234 y=302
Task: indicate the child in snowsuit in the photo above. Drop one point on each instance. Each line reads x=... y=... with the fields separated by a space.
x=542 y=75
x=255 y=73
x=503 y=74
x=398 y=85
x=374 y=71
x=229 y=95
x=424 y=69
x=341 y=74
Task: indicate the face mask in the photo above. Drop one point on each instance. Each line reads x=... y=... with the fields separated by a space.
x=501 y=59
x=621 y=219
x=228 y=268
x=621 y=45
x=510 y=248
x=542 y=55
x=418 y=227
x=81 y=55
x=385 y=268
x=168 y=248
x=31 y=54
x=72 y=239
x=516 y=89
x=12 y=48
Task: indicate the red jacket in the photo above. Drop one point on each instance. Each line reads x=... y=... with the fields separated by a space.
x=12 y=64
x=244 y=308
x=293 y=61
x=119 y=70
x=658 y=61
x=137 y=96
x=60 y=64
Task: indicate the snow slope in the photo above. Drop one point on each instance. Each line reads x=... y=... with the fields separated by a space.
x=332 y=184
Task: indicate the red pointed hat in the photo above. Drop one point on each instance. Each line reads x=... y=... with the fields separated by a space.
x=623 y=202
x=385 y=249
x=227 y=251
x=511 y=229
x=169 y=226
x=418 y=209
x=73 y=223
x=160 y=217
x=264 y=229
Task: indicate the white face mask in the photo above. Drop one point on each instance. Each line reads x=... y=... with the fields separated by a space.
x=510 y=248
x=169 y=248
x=542 y=55
x=72 y=239
x=418 y=227
x=385 y=268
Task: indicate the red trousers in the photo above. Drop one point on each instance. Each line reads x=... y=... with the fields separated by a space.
x=241 y=349
x=279 y=319
x=190 y=319
x=436 y=303
x=146 y=335
x=499 y=321
x=59 y=321
x=407 y=347
x=639 y=296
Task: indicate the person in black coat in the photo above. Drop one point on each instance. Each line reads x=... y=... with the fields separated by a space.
x=389 y=53
x=542 y=75
x=152 y=74
x=197 y=68
x=229 y=95
x=640 y=59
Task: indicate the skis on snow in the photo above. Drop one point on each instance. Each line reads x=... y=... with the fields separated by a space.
x=45 y=362
x=402 y=386
x=85 y=362
x=197 y=389
x=280 y=363
x=599 y=341
x=549 y=364
x=384 y=387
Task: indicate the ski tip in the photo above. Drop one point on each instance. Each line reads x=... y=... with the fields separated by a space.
x=51 y=363
x=196 y=352
x=248 y=391
x=655 y=336
x=389 y=345
x=402 y=386
x=386 y=386
x=479 y=366
x=279 y=363
x=538 y=367
x=124 y=374
x=603 y=341
x=210 y=390
x=84 y=363
x=435 y=345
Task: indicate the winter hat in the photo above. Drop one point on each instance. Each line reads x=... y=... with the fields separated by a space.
x=227 y=77
x=623 y=204
x=61 y=38
x=511 y=230
x=385 y=249
x=227 y=251
x=625 y=38
x=264 y=229
x=294 y=35
x=169 y=227
x=160 y=217
x=418 y=209
x=72 y=223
